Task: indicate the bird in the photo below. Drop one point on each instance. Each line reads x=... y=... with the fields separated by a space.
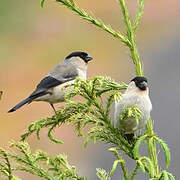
x=136 y=95
x=53 y=87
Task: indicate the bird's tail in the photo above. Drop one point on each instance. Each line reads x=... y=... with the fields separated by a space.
x=25 y=101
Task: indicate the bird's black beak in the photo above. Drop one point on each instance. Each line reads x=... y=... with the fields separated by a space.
x=88 y=58
x=143 y=85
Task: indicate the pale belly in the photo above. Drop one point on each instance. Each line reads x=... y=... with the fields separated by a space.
x=130 y=125
x=57 y=94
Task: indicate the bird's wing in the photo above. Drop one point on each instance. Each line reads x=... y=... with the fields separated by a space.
x=116 y=113
x=60 y=74
x=64 y=71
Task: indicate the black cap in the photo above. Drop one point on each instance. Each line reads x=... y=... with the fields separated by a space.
x=83 y=55
x=141 y=82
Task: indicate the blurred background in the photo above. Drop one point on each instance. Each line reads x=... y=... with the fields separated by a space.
x=33 y=40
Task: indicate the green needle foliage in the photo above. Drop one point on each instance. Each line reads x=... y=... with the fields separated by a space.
x=93 y=113
x=102 y=174
x=131 y=111
x=38 y=163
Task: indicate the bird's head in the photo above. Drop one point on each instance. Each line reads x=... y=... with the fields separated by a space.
x=140 y=82
x=79 y=54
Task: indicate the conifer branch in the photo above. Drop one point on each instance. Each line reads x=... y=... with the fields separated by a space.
x=139 y=14
x=92 y=111
x=131 y=37
x=38 y=163
x=74 y=7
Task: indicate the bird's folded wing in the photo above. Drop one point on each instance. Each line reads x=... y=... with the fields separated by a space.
x=59 y=75
x=49 y=82
x=64 y=71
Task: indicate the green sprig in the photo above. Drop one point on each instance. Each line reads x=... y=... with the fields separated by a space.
x=73 y=6
x=102 y=174
x=131 y=111
x=139 y=14
x=42 y=3
x=41 y=164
